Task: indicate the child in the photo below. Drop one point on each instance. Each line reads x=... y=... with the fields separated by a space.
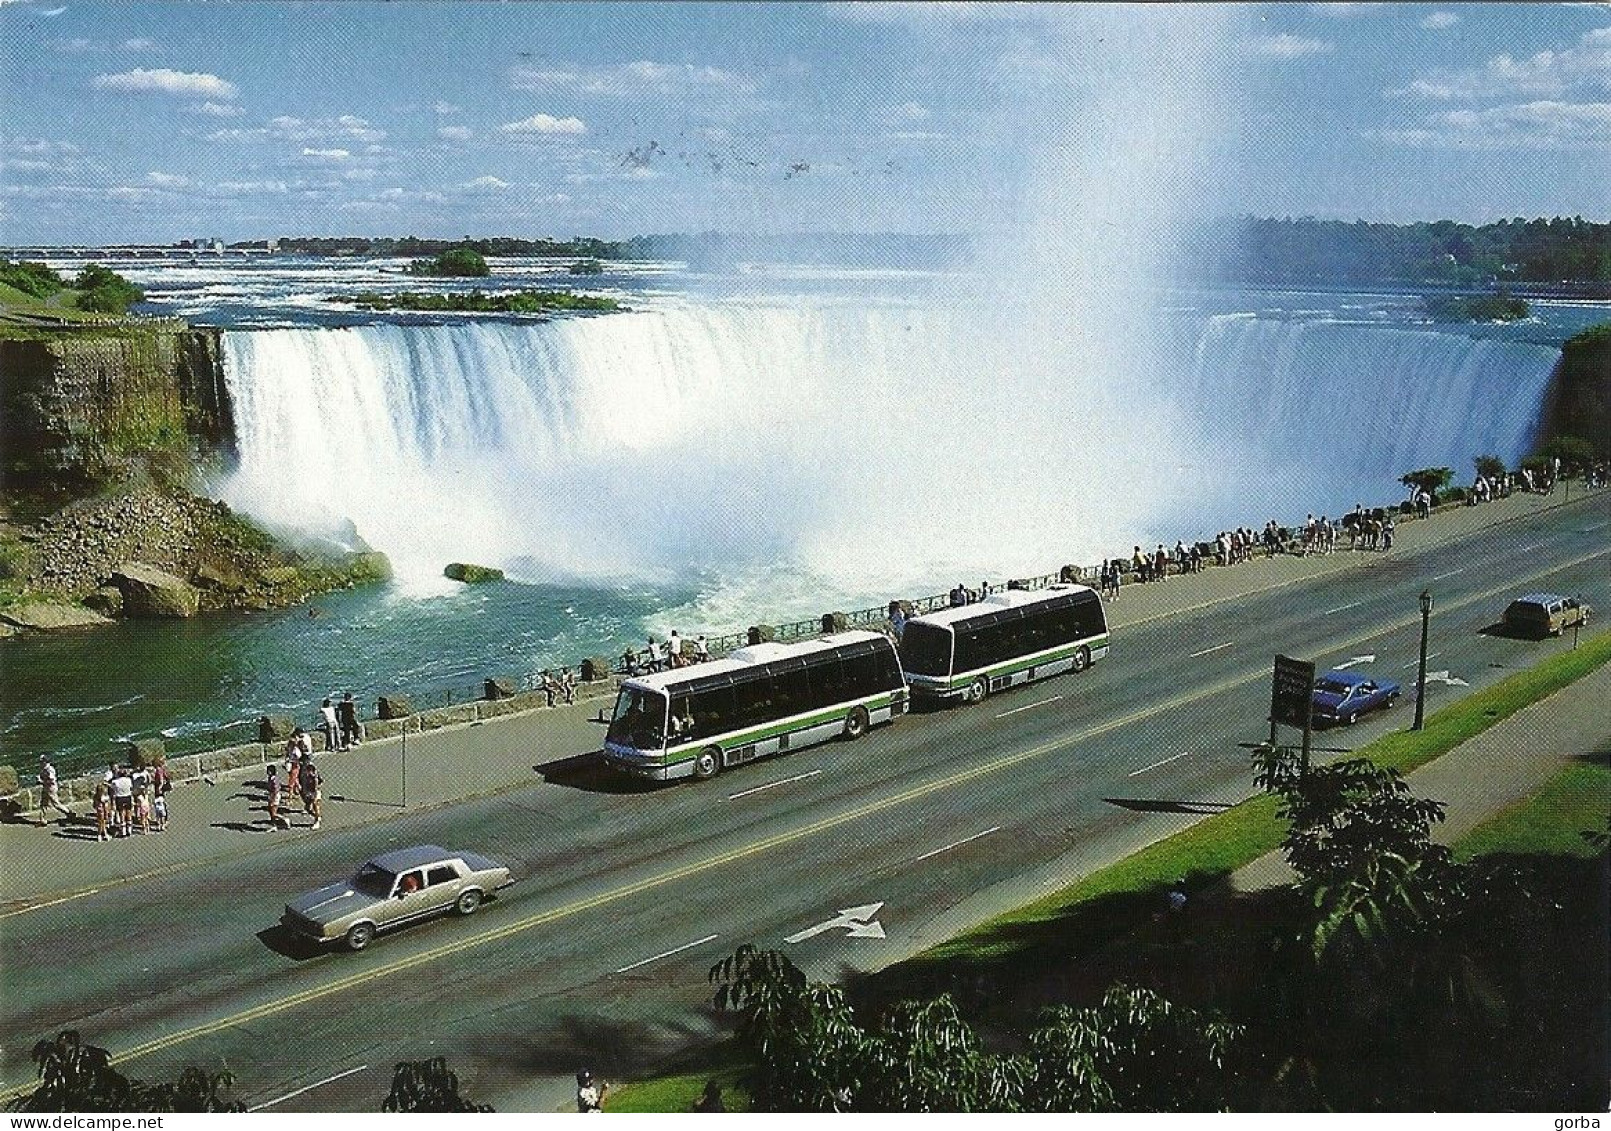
x=159 y=813
x=103 y=810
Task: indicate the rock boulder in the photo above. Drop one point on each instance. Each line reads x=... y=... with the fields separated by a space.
x=149 y=592
x=394 y=707
x=470 y=574
x=45 y=616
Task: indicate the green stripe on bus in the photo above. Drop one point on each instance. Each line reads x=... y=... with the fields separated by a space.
x=1013 y=666
x=761 y=734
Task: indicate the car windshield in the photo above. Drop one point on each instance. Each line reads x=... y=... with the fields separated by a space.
x=1332 y=687
x=639 y=720
x=374 y=880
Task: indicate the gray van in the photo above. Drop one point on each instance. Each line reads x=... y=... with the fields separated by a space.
x=1544 y=614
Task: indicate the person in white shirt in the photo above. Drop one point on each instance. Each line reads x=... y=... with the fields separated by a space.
x=674 y=649
x=49 y=791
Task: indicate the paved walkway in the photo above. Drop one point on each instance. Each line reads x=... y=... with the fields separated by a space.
x=220 y=817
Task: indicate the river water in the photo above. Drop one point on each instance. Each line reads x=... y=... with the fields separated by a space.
x=748 y=443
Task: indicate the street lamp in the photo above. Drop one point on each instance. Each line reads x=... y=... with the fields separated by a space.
x=1420 y=681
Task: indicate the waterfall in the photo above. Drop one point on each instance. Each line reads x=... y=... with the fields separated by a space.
x=859 y=441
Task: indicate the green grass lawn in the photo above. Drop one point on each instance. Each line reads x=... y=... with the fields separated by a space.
x=1552 y=821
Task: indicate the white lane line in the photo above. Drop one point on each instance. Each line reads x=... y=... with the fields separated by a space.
x=309 y=1088
x=51 y=903
x=1155 y=765
x=960 y=843
x=1031 y=706
x=1340 y=608
x=1451 y=573
x=1596 y=526
x=770 y=784
x=1429 y=655
x=669 y=953
x=1215 y=648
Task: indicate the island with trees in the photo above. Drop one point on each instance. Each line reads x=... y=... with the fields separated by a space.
x=481 y=302
x=1501 y=307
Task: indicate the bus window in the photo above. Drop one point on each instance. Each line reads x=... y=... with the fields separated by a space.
x=791 y=688
x=639 y=720
x=828 y=685
x=752 y=698
x=1089 y=612
x=889 y=666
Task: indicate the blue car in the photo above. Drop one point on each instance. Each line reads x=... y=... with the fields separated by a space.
x=1342 y=696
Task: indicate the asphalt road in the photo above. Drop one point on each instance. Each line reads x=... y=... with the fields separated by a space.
x=598 y=956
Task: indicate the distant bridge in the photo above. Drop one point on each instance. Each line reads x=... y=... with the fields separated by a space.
x=131 y=251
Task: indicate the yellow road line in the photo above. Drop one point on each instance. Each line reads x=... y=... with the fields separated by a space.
x=766 y=844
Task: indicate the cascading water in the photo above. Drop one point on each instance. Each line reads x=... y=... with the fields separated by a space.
x=874 y=447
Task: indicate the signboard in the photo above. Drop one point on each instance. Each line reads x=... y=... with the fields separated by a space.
x=1291 y=691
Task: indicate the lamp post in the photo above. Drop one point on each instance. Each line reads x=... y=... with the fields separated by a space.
x=1420 y=680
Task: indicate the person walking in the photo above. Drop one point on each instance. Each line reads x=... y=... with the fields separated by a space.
x=50 y=791
x=674 y=649
x=701 y=650
x=101 y=799
x=123 y=801
x=272 y=786
x=567 y=684
x=589 y=1092
x=312 y=794
x=549 y=686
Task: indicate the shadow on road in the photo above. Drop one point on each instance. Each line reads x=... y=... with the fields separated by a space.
x=1158 y=805
x=288 y=943
x=588 y=772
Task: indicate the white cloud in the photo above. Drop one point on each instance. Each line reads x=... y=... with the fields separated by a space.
x=347 y=127
x=167 y=180
x=907 y=112
x=544 y=124
x=1287 y=46
x=1541 y=125
x=217 y=110
x=1437 y=21
x=75 y=46
x=1344 y=10
x=455 y=133
x=445 y=108
x=636 y=78
x=485 y=184
x=51 y=13
x=138 y=44
x=1583 y=70
x=164 y=81
x=327 y=154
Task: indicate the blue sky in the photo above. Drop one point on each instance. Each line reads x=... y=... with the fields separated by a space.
x=160 y=121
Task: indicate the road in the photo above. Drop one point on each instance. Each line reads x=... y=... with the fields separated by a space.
x=598 y=956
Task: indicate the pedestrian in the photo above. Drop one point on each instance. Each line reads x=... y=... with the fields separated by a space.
x=330 y=725
x=123 y=801
x=897 y=620
x=1387 y=533
x=548 y=686
x=674 y=650
x=567 y=684
x=347 y=715
x=142 y=800
x=50 y=791
x=101 y=799
x=711 y=1098
x=312 y=795
x=159 y=812
x=272 y=785
x=589 y=1093
x=293 y=772
x=702 y=650
x=629 y=662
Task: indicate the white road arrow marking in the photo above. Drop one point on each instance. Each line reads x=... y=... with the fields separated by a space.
x=1445 y=677
x=1369 y=658
x=1413 y=663
x=857 y=921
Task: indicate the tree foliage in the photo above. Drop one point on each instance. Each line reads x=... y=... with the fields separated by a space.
x=427 y=1086
x=30 y=278
x=1489 y=466
x=104 y=291
x=76 y=1077
x=1574 y=452
x=1428 y=479
x=455 y=262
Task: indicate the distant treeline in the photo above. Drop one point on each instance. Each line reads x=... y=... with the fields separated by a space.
x=1445 y=253
x=1249 y=250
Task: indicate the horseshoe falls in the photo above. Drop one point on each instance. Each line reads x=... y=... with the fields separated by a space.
x=872 y=446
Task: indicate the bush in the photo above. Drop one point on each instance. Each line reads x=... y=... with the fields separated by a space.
x=455 y=262
x=34 y=279
x=104 y=291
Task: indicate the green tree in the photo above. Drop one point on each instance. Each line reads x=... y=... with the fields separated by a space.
x=455 y=262
x=75 y=1077
x=104 y=291
x=1489 y=467
x=1428 y=479
x=1574 y=452
x=427 y=1086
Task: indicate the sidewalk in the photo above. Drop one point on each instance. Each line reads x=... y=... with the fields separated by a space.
x=1499 y=767
x=222 y=815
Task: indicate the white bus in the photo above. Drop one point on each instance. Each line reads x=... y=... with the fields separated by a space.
x=1008 y=638
x=764 y=699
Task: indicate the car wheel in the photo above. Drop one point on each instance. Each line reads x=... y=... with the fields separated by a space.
x=468 y=901
x=1082 y=660
x=1391 y=699
x=977 y=690
x=360 y=935
x=856 y=723
x=707 y=764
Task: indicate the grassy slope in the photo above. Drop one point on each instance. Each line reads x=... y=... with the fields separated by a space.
x=1039 y=934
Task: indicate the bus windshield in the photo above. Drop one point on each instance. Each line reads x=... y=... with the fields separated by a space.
x=926 y=649
x=639 y=720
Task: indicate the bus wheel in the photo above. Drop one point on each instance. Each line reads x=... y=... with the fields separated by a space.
x=977 y=690
x=708 y=764
x=1082 y=660
x=856 y=723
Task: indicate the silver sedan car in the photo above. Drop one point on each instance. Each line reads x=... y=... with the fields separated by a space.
x=393 y=889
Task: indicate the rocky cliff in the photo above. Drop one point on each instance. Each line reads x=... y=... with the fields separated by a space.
x=81 y=405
